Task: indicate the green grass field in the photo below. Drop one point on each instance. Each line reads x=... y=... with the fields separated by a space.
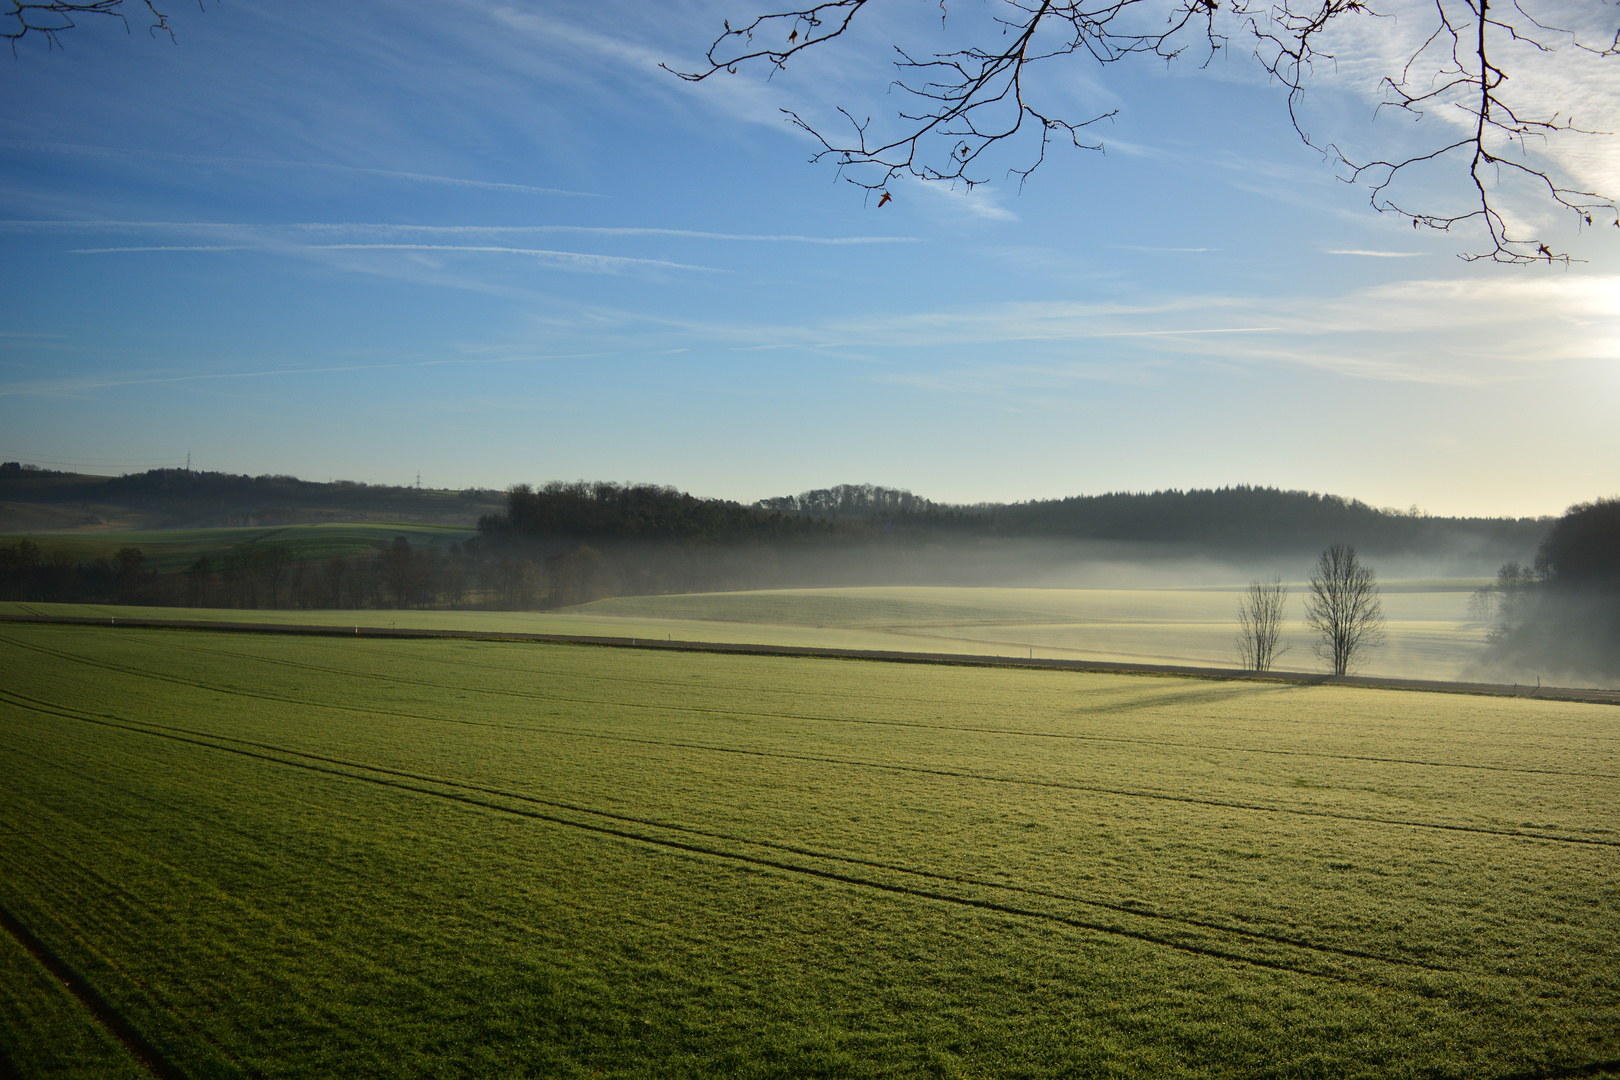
x=1430 y=636
x=287 y=857
x=168 y=550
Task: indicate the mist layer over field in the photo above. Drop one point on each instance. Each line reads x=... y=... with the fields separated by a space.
x=1430 y=635
x=628 y=569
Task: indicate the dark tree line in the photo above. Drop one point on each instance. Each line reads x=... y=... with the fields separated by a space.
x=1228 y=520
x=1252 y=519
x=563 y=544
x=1561 y=616
x=859 y=501
x=607 y=539
x=1231 y=520
x=197 y=499
x=606 y=511
x=29 y=572
x=395 y=575
x=504 y=573
x=602 y=539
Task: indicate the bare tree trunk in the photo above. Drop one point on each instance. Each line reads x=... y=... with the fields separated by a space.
x=1343 y=608
x=197 y=577
x=1260 y=621
x=273 y=562
x=335 y=573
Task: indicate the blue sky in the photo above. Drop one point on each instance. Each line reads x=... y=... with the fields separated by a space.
x=495 y=243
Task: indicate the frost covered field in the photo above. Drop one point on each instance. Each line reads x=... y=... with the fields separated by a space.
x=239 y=855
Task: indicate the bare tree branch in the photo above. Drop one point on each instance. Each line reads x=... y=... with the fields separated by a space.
x=49 y=18
x=961 y=103
x=967 y=100
x=1453 y=69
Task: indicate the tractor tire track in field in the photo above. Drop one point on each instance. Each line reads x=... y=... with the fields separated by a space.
x=306 y=940
x=1125 y=909
x=1182 y=696
x=1090 y=789
x=1139 y=700
x=806 y=717
x=232 y=691
x=850 y=762
x=1154 y=702
x=149 y=1057
x=393 y=779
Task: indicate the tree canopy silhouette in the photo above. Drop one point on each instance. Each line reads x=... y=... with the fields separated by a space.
x=959 y=103
x=1582 y=549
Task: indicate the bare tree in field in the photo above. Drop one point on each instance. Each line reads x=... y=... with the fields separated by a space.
x=197 y=580
x=131 y=565
x=399 y=565
x=1260 y=623
x=235 y=569
x=335 y=575
x=1343 y=608
x=455 y=580
x=27 y=563
x=273 y=561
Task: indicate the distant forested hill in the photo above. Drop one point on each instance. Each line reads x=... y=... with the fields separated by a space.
x=642 y=512
x=1232 y=520
x=39 y=500
x=1227 y=520
x=609 y=539
x=566 y=543
x=1261 y=520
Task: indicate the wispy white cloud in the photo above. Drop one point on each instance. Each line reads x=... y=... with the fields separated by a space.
x=1465 y=331
x=360 y=228
x=157 y=247
x=607 y=231
x=571 y=259
x=1373 y=254
x=981 y=201
x=1200 y=330
x=271 y=163
x=1574 y=85
x=747 y=96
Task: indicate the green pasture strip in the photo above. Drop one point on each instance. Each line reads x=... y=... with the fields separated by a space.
x=1429 y=637
x=168 y=550
x=285 y=856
